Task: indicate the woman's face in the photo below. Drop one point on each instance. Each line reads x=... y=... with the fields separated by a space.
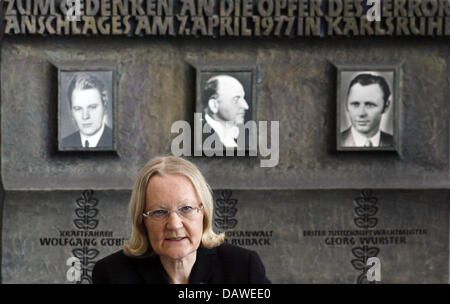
x=176 y=236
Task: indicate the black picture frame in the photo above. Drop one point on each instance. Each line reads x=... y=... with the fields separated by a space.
x=246 y=75
x=389 y=123
x=68 y=129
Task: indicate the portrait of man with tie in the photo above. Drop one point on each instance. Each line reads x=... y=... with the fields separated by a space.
x=226 y=102
x=367 y=100
x=87 y=108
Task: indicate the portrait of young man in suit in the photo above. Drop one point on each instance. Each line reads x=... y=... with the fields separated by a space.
x=88 y=103
x=368 y=99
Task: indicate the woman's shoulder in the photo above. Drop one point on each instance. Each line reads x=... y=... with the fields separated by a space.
x=117 y=258
x=119 y=268
x=114 y=257
x=232 y=248
x=233 y=254
x=234 y=264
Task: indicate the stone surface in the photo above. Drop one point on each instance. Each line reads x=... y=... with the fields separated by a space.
x=279 y=225
x=156 y=83
x=278 y=210
x=36 y=245
x=308 y=259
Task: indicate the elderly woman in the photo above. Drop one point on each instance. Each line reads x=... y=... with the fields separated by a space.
x=172 y=240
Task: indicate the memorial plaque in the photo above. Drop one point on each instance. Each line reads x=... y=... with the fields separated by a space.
x=301 y=236
x=158 y=90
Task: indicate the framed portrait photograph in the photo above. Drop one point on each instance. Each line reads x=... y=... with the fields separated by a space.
x=367 y=108
x=226 y=99
x=86 y=108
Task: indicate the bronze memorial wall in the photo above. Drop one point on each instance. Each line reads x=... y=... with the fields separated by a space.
x=295 y=183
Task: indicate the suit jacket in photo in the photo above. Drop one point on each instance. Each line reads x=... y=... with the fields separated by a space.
x=223 y=264
x=386 y=140
x=216 y=139
x=74 y=140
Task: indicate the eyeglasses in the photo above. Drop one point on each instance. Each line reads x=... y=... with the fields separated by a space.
x=187 y=212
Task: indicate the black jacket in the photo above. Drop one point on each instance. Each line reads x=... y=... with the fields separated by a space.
x=219 y=265
x=74 y=139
